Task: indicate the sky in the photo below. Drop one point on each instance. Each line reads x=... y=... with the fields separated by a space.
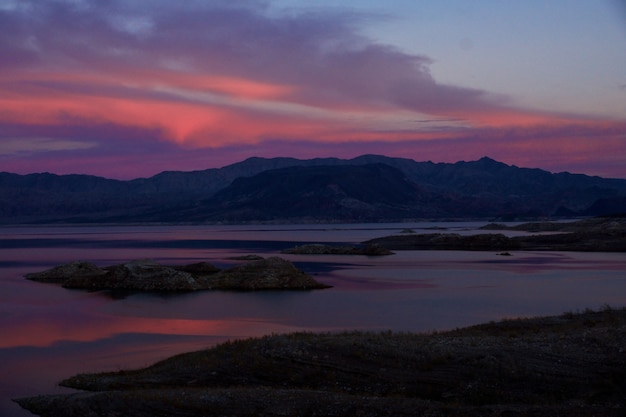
x=125 y=89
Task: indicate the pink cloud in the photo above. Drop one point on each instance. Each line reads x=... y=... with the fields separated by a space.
x=190 y=87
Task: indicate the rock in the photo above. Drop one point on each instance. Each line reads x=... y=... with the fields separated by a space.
x=264 y=274
x=148 y=275
x=59 y=274
x=143 y=275
x=198 y=268
x=320 y=249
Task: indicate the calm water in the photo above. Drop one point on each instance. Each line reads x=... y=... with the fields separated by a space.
x=49 y=333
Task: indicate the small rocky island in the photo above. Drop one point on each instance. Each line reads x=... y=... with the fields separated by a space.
x=273 y=273
x=570 y=365
x=602 y=234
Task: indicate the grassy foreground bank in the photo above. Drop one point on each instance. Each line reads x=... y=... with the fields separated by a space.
x=570 y=365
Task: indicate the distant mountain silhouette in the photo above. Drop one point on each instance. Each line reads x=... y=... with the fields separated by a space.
x=607 y=206
x=368 y=188
x=360 y=193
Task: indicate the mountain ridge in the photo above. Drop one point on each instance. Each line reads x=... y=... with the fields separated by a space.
x=483 y=188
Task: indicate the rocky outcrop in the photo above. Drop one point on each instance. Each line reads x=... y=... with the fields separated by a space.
x=320 y=249
x=60 y=274
x=199 y=268
x=265 y=274
x=142 y=275
x=148 y=275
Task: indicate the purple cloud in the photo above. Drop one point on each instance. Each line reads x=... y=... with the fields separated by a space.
x=323 y=89
x=321 y=54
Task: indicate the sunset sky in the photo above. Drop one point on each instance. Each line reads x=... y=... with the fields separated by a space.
x=127 y=89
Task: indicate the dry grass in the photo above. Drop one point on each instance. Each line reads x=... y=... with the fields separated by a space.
x=573 y=364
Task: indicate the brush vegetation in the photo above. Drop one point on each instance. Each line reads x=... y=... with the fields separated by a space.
x=570 y=365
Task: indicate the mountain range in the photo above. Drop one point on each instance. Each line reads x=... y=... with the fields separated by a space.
x=369 y=188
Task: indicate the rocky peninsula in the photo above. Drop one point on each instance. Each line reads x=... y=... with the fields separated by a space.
x=603 y=234
x=569 y=365
x=146 y=275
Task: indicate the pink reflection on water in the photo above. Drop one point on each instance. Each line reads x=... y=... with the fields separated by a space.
x=46 y=331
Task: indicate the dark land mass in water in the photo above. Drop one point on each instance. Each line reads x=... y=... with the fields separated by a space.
x=602 y=234
x=569 y=365
x=273 y=273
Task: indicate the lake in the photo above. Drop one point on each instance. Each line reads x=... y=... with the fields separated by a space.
x=49 y=333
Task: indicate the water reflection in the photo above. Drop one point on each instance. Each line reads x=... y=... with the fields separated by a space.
x=50 y=333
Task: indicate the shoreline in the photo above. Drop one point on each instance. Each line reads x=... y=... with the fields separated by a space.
x=573 y=364
x=600 y=234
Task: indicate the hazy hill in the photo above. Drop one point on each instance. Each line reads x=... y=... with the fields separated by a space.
x=367 y=188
